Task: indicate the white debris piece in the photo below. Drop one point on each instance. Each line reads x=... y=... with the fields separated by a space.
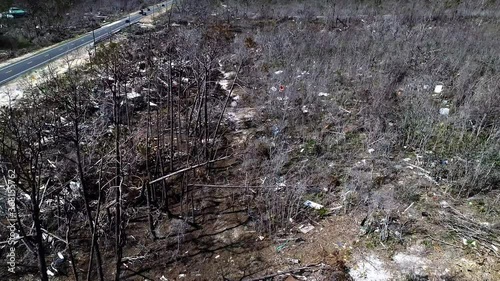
x=278 y=72
x=52 y=164
x=313 y=205
x=371 y=150
x=274 y=89
x=47 y=238
x=438 y=89
x=229 y=74
x=444 y=204
x=323 y=94
x=133 y=95
x=444 y=111
x=304 y=109
x=306 y=228
x=74 y=186
x=495 y=248
x=224 y=84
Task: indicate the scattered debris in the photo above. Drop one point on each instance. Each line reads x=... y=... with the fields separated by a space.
x=281 y=246
x=444 y=204
x=57 y=266
x=444 y=111
x=322 y=94
x=336 y=208
x=278 y=72
x=302 y=73
x=313 y=205
x=47 y=238
x=438 y=89
x=306 y=228
x=133 y=95
x=74 y=186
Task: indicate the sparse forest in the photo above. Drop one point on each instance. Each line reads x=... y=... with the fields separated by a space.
x=262 y=140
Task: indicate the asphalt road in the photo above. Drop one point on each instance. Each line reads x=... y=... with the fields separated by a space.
x=14 y=70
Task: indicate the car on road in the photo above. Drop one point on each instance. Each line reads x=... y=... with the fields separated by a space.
x=127 y=21
x=16 y=12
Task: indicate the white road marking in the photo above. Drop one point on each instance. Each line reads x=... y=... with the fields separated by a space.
x=29 y=62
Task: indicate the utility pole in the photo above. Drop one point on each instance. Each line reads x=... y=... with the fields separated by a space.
x=93 y=36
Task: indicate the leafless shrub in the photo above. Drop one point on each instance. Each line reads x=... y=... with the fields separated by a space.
x=277 y=207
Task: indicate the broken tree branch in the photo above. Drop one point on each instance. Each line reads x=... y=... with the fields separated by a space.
x=295 y=270
x=186 y=169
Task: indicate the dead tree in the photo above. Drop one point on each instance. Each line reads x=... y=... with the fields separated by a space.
x=24 y=136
